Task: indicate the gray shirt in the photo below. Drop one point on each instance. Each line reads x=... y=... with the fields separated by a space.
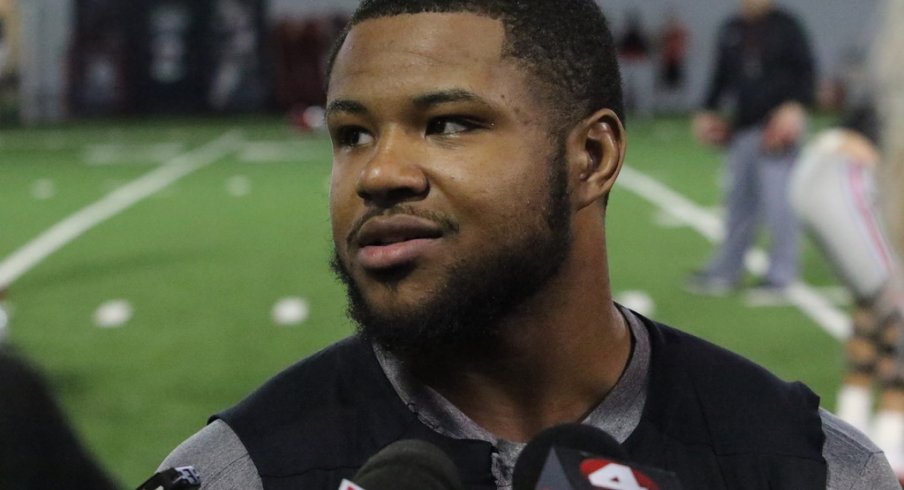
x=854 y=462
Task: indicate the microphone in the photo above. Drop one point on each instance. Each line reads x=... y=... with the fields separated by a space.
x=406 y=465
x=581 y=457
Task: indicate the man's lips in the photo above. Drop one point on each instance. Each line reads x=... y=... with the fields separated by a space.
x=392 y=241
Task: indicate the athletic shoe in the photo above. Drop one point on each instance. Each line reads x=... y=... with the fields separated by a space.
x=767 y=293
x=706 y=284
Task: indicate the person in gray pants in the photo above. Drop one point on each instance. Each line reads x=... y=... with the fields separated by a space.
x=764 y=63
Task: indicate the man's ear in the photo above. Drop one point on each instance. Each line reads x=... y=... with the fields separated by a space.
x=597 y=148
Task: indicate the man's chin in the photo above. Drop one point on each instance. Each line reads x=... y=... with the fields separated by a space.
x=425 y=331
x=390 y=278
x=401 y=331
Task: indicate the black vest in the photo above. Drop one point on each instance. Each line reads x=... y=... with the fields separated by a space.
x=714 y=418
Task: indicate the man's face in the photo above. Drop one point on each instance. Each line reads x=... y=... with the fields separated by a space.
x=449 y=199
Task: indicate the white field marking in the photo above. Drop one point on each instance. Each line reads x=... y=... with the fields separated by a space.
x=820 y=309
x=290 y=311
x=638 y=301
x=4 y=323
x=238 y=186
x=117 y=201
x=666 y=219
x=113 y=314
x=764 y=298
x=43 y=189
x=117 y=153
x=275 y=151
x=838 y=295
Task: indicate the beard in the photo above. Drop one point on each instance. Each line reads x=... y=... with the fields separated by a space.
x=462 y=319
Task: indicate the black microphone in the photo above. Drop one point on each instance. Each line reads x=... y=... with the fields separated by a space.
x=581 y=457
x=408 y=464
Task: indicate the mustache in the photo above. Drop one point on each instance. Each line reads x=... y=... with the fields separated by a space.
x=446 y=224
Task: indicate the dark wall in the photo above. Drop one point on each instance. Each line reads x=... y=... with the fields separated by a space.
x=168 y=56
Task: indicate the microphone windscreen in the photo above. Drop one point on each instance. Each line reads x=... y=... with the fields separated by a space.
x=409 y=464
x=572 y=436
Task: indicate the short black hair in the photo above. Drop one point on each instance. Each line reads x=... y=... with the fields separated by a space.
x=566 y=45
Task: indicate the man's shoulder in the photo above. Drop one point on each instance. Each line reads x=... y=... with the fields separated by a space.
x=786 y=18
x=701 y=388
x=730 y=31
x=315 y=375
x=345 y=373
x=326 y=414
x=219 y=457
x=777 y=15
x=717 y=371
x=854 y=462
x=311 y=400
x=308 y=397
x=712 y=362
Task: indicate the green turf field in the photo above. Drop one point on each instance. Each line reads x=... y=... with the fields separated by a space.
x=203 y=260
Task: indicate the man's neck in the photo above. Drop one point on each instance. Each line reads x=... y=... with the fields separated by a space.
x=561 y=354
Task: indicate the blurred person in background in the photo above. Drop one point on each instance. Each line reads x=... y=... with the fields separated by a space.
x=765 y=66
x=301 y=51
x=835 y=193
x=237 y=83
x=673 y=45
x=889 y=73
x=635 y=58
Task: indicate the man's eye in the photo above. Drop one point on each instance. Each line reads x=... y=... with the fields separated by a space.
x=353 y=136
x=451 y=125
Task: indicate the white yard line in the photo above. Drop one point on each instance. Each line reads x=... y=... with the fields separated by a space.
x=816 y=306
x=118 y=153
x=117 y=201
x=276 y=151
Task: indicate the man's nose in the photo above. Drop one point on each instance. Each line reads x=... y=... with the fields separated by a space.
x=393 y=173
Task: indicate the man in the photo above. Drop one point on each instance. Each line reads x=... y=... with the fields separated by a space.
x=636 y=65
x=765 y=65
x=475 y=145
x=833 y=193
x=674 y=40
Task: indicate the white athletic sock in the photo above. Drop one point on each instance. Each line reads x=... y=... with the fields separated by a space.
x=855 y=404
x=888 y=434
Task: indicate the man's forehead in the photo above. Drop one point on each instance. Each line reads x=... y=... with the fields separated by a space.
x=419 y=41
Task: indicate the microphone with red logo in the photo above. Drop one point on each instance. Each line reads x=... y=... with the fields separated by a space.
x=581 y=457
x=409 y=464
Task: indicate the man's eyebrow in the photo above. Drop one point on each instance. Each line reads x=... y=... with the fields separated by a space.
x=423 y=101
x=447 y=96
x=343 y=105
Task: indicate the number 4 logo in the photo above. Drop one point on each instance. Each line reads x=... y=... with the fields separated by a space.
x=615 y=477
x=347 y=485
x=609 y=475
